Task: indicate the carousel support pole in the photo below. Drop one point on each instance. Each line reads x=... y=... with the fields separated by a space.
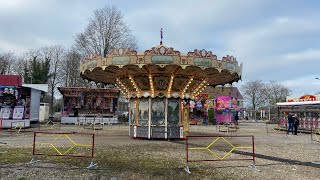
x=149 y=123
x=166 y=119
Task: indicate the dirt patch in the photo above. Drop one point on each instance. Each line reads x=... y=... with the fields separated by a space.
x=278 y=156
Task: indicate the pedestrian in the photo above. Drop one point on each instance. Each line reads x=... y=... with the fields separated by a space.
x=296 y=124
x=290 y=123
x=205 y=119
x=236 y=118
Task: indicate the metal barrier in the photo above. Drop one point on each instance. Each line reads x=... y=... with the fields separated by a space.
x=275 y=128
x=219 y=148
x=50 y=124
x=16 y=128
x=54 y=147
x=315 y=133
x=228 y=128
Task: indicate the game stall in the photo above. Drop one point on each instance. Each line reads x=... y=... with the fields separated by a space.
x=89 y=104
x=19 y=103
x=225 y=109
x=306 y=107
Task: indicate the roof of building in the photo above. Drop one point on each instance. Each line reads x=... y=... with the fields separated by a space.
x=40 y=87
x=10 y=80
x=232 y=92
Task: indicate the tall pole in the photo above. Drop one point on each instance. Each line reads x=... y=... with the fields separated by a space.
x=269 y=109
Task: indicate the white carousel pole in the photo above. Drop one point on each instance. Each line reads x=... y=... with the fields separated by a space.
x=166 y=119
x=149 y=124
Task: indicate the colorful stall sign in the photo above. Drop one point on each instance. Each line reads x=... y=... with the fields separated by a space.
x=18 y=112
x=308 y=98
x=222 y=102
x=5 y=112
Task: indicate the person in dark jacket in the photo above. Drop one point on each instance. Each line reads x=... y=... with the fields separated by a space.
x=290 y=123
x=295 y=124
x=236 y=118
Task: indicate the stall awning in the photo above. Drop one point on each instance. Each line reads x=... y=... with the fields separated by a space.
x=298 y=103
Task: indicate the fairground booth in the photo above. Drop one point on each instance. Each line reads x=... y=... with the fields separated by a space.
x=19 y=103
x=307 y=108
x=91 y=104
x=225 y=109
x=159 y=83
x=199 y=109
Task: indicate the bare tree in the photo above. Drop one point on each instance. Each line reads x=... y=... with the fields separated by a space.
x=19 y=64
x=106 y=30
x=70 y=70
x=274 y=92
x=253 y=93
x=55 y=54
x=7 y=61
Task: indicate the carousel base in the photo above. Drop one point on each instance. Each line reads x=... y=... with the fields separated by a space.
x=23 y=123
x=156 y=132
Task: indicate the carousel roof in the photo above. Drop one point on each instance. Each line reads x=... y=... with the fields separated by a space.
x=161 y=71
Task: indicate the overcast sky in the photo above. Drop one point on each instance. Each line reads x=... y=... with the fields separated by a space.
x=275 y=40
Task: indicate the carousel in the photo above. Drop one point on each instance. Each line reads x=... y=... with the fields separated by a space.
x=160 y=84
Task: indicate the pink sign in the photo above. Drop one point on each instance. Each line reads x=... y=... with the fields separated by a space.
x=222 y=102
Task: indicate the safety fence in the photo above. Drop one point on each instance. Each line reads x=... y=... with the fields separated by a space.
x=68 y=144
x=50 y=125
x=17 y=126
x=228 y=128
x=275 y=128
x=12 y=127
x=315 y=135
x=219 y=148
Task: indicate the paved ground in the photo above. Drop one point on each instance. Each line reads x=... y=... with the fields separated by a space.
x=278 y=156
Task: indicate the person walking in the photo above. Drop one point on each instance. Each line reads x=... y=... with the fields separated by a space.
x=236 y=118
x=296 y=124
x=290 y=123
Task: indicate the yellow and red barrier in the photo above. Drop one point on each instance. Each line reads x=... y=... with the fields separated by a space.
x=205 y=148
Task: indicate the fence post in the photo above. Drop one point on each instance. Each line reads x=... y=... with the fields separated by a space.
x=187 y=157
x=253 y=157
x=311 y=136
x=92 y=165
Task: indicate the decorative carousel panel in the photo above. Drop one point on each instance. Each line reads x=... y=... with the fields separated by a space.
x=121 y=60
x=143 y=112
x=179 y=83
x=159 y=59
x=173 y=112
x=161 y=82
x=158 y=112
x=142 y=82
x=132 y=112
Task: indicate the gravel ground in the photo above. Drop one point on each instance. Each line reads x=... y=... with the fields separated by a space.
x=278 y=156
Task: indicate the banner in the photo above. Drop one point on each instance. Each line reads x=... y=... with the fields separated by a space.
x=222 y=102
